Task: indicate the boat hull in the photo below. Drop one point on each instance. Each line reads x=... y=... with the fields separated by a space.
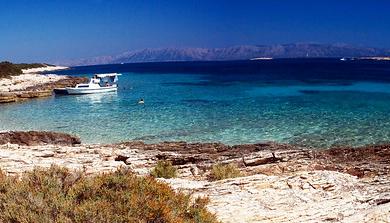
x=78 y=91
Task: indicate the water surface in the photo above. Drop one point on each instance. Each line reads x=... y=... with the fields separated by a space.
x=314 y=102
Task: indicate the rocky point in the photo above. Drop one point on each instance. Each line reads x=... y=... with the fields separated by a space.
x=280 y=182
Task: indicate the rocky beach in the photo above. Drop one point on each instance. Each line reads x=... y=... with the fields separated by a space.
x=274 y=182
x=194 y=111
x=32 y=84
x=278 y=182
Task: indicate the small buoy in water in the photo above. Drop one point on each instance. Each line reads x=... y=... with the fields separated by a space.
x=141 y=101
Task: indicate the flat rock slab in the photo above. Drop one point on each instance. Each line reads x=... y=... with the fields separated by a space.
x=307 y=196
x=287 y=184
x=28 y=86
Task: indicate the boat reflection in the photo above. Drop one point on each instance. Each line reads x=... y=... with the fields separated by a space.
x=97 y=98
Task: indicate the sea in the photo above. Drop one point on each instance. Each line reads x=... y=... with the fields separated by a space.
x=317 y=103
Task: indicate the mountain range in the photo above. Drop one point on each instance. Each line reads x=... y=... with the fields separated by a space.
x=243 y=52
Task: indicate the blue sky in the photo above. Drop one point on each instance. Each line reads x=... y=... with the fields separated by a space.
x=57 y=30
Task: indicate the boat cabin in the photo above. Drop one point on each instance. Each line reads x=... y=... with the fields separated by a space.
x=105 y=80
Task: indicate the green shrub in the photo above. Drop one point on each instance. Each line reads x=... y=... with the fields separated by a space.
x=8 y=69
x=164 y=169
x=224 y=171
x=58 y=195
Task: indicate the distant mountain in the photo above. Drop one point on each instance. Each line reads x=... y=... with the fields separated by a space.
x=244 y=52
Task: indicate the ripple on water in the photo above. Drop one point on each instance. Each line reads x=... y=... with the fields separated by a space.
x=310 y=114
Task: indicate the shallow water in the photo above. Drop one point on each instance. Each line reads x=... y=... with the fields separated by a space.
x=228 y=107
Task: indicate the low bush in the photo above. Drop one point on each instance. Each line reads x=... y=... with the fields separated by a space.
x=224 y=171
x=8 y=69
x=164 y=169
x=58 y=195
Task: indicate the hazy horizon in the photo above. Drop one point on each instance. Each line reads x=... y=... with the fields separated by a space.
x=54 y=31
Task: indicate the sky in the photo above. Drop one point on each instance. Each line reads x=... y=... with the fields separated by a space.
x=59 y=30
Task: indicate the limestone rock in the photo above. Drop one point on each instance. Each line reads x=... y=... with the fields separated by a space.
x=43 y=88
x=38 y=138
x=287 y=184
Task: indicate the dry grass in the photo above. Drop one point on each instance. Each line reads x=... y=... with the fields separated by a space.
x=224 y=171
x=164 y=169
x=58 y=195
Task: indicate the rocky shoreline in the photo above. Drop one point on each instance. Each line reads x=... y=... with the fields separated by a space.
x=280 y=182
x=33 y=85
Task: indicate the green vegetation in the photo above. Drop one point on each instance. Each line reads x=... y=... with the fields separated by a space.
x=224 y=171
x=164 y=169
x=58 y=195
x=8 y=69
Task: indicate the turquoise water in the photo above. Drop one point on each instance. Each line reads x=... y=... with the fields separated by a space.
x=188 y=107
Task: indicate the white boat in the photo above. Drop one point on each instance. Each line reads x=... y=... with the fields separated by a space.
x=99 y=83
